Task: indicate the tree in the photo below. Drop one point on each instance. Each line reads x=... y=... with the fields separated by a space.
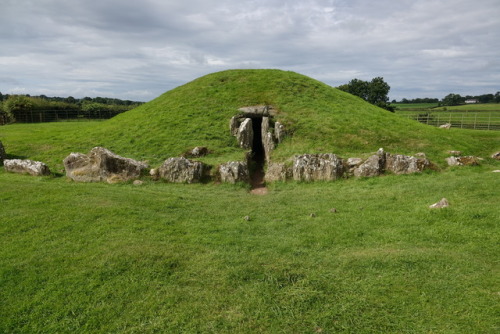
x=357 y=87
x=17 y=105
x=453 y=100
x=378 y=90
x=375 y=92
x=70 y=99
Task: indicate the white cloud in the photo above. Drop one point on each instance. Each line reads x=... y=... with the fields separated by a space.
x=118 y=48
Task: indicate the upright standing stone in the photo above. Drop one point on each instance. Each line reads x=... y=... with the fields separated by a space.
x=102 y=165
x=403 y=164
x=278 y=172
x=245 y=134
x=279 y=131
x=267 y=138
x=182 y=170
x=234 y=125
x=234 y=171
x=373 y=166
x=317 y=167
x=370 y=167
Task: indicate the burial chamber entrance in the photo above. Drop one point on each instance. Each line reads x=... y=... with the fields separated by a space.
x=257 y=157
x=256 y=131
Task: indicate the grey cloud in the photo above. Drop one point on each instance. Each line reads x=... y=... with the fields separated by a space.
x=130 y=49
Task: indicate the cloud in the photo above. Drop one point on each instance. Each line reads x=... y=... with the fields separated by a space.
x=138 y=50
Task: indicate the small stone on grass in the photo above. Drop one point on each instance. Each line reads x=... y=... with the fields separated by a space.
x=443 y=203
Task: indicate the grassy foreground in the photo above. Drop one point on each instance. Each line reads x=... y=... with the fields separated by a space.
x=169 y=258
x=166 y=258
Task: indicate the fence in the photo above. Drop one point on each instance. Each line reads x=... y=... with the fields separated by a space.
x=40 y=116
x=477 y=120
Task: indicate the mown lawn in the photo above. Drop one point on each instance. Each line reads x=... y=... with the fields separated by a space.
x=165 y=258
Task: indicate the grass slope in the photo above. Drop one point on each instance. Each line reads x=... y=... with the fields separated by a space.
x=99 y=258
x=321 y=118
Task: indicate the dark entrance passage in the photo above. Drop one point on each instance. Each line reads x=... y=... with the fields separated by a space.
x=258 y=158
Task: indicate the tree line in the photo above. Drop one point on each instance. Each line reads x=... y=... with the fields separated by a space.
x=16 y=107
x=455 y=99
x=377 y=90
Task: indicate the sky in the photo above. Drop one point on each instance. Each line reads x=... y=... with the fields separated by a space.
x=137 y=50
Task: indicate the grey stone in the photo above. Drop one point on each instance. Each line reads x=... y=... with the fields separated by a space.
x=278 y=172
x=198 y=152
x=317 y=167
x=279 y=132
x=234 y=125
x=182 y=170
x=421 y=155
x=403 y=164
x=234 y=171
x=443 y=203
x=495 y=155
x=102 y=165
x=354 y=162
x=155 y=173
x=267 y=138
x=258 y=111
x=452 y=161
x=2 y=153
x=245 y=134
x=138 y=183
x=373 y=166
x=381 y=153
x=463 y=161
x=35 y=168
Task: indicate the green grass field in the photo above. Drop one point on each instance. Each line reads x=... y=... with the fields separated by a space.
x=435 y=107
x=478 y=120
x=413 y=106
x=474 y=107
x=178 y=258
x=470 y=116
x=166 y=258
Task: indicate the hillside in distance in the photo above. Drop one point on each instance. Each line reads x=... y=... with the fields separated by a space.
x=318 y=119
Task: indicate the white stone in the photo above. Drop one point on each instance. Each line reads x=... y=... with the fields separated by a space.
x=443 y=203
x=245 y=134
x=35 y=168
